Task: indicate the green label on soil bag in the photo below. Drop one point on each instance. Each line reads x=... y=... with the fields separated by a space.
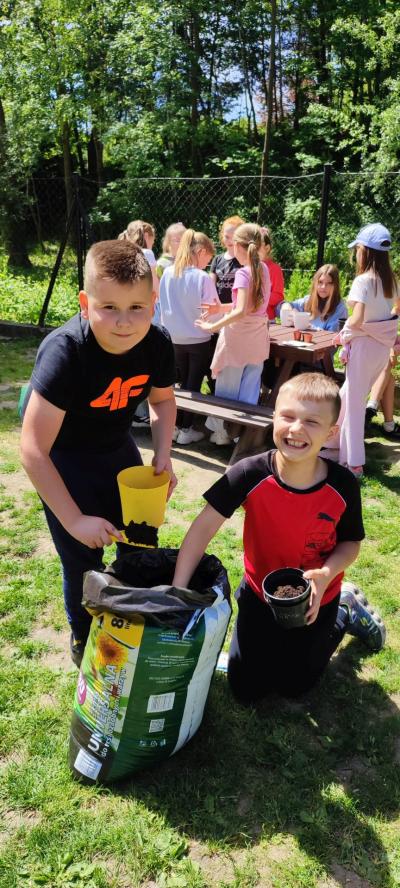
x=142 y=689
x=103 y=689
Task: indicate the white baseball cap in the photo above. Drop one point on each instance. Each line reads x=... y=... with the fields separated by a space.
x=375 y=236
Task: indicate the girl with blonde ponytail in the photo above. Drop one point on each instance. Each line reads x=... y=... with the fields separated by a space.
x=184 y=289
x=243 y=343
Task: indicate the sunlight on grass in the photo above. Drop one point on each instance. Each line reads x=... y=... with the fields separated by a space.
x=276 y=796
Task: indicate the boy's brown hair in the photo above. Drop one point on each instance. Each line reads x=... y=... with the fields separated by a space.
x=314 y=387
x=116 y=260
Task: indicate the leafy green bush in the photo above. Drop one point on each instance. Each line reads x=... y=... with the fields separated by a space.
x=23 y=294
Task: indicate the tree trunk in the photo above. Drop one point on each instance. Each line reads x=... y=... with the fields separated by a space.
x=99 y=149
x=268 y=127
x=81 y=162
x=195 y=85
x=67 y=164
x=14 y=214
x=247 y=83
x=92 y=158
x=280 y=65
x=212 y=66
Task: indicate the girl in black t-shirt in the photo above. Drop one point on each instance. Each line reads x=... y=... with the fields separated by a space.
x=222 y=271
x=225 y=265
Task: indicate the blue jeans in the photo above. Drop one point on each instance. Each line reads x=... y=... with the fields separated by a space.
x=91 y=480
x=240 y=383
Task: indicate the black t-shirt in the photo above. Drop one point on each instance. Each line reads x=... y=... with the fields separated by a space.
x=286 y=527
x=99 y=391
x=224 y=270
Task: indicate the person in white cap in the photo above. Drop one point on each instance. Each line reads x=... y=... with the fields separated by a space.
x=370 y=332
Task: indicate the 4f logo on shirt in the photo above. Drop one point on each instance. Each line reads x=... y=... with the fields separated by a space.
x=118 y=392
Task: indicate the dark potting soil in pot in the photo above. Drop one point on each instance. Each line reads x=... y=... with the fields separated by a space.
x=288 y=591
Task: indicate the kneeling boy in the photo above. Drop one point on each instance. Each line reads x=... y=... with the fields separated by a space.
x=300 y=511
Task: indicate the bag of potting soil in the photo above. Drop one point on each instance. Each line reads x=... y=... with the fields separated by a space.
x=148 y=662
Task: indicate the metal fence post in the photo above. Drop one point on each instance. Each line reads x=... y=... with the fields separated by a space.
x=323 y=216
x=78 y=228
x=57 y=264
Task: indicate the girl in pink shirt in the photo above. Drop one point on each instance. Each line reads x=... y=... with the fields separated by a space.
x=243 y=342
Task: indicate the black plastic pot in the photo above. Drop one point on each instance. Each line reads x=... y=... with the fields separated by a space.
x=288 y=612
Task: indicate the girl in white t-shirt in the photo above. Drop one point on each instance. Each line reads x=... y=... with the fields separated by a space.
x=143 y=235
x=184 y=287
x=371 y=330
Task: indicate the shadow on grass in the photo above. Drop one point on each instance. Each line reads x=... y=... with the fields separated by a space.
x=381 y=457
x=317 y=769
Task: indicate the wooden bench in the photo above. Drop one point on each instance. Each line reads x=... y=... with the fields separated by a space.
x=254 y=420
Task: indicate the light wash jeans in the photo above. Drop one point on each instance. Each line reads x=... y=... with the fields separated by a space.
x=238 y=384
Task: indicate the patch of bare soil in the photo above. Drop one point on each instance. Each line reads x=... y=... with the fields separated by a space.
x=11 y=821
x=215 y=867
x=347 y=878
x=350 y=769
x=197 y=467
x=187 y=460
x=58 y=655
x=16 y=484
x=14 y=758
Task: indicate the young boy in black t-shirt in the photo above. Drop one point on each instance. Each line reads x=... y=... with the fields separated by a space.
x=300 y=511
x=89 y=376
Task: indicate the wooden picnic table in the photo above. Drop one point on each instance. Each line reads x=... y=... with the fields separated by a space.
x=287 y=352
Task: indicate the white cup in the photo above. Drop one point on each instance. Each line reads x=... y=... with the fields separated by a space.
x=286 y=315
x=301 y=320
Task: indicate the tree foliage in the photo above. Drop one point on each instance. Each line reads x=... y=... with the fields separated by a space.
x=118 y=91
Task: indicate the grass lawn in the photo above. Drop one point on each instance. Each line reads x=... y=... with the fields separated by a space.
x=298 y=794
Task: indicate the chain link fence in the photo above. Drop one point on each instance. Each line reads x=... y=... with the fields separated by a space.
x=310 y=216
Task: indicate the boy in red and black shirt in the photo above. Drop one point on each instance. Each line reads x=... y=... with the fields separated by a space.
x=300 y=511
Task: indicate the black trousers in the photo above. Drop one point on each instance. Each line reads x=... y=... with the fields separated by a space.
x=265 y=658
x=91 y=479
x=193 y=362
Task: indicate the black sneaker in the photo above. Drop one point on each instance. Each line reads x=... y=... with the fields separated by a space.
x=394 y=434
x=370 y=414
x=363 y=621
x=77 y=648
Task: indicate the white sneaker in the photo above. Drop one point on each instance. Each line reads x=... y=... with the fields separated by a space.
x=175 y=433
x=221 y=438
x=189 y=436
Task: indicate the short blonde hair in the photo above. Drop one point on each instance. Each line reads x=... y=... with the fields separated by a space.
x=314 y=387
